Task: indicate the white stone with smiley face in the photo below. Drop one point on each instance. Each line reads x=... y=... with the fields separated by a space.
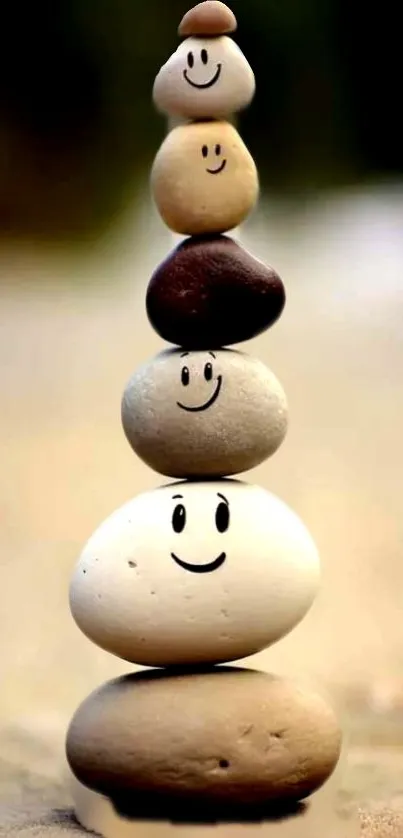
x=195 y=573
x=204 y=179
x=205 y=78
x=204 y=414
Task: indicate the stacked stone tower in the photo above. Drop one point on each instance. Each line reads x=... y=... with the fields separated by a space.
x=206 y=570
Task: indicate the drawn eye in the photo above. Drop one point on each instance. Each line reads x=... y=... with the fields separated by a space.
x=179 y=518
x=218 y=150
x=191 y=60
x=208 y=372
x=185 y=376
x=205 y=151
x=204 y=56
x=222 y=517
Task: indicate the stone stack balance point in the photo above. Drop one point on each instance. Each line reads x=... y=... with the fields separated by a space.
x=208 y=570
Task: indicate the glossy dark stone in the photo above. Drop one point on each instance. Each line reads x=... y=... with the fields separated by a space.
x=210 y=292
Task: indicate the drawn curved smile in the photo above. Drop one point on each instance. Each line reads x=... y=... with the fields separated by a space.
x=207 y=84
x=201 y=568
x=207 y=404
x=219 y=170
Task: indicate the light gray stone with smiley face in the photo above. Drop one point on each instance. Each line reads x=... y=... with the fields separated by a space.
x=205 y=78
x=195 y=573
x=204 y=414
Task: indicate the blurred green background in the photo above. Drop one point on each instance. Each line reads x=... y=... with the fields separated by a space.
x=78 y=131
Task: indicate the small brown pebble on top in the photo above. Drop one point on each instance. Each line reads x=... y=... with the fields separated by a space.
x=208 y=18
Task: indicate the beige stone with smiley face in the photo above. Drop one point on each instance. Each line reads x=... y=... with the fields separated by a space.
x=195 y=573
x=204 y=179
x=202 y=414
x=206 y=78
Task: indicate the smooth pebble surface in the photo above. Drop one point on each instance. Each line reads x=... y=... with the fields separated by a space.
x=203 y=179
x=204 y=413
x=205 y=78
x=195 y=573
x=210 y=292
x=209 y=18
x=228 y=736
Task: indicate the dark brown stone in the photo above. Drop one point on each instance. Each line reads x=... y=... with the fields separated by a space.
x=210 y=292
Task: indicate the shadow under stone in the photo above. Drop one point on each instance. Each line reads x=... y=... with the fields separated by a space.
x=153 y=808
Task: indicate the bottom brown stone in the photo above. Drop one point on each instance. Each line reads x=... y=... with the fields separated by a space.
x=225 y=737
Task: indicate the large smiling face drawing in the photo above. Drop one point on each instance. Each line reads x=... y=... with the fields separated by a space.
x=204 y=414
x=194 y=573
x=222 y=521
x=190 y=74
x=205 y=78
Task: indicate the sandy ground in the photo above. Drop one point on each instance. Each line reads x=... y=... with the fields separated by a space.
x=66 y=350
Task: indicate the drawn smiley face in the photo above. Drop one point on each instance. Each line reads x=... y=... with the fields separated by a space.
x=222 y=522
x=208 y=373
x=205 y=78
x=218 y=152
x=205 y=62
